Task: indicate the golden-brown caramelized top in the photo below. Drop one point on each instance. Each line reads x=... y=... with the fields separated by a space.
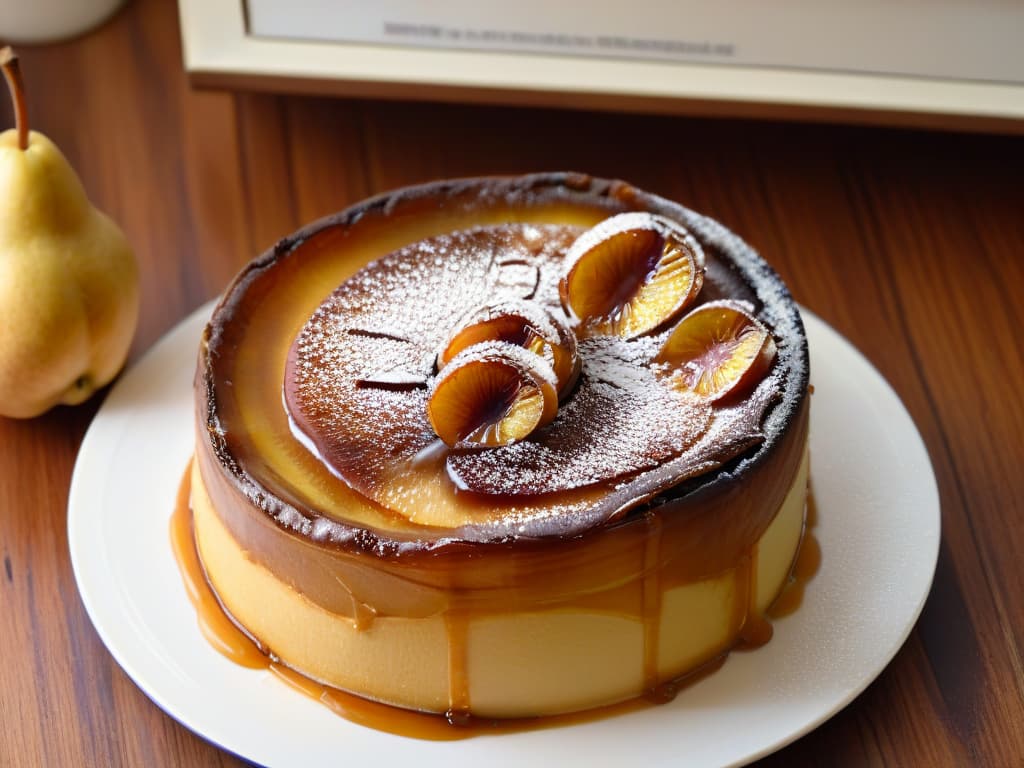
x=364 y=387
x=606 y=383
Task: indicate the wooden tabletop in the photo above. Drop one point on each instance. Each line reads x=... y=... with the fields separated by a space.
x=909 y=244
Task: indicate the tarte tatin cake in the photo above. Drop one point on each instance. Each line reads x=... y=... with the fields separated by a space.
x=502 y=447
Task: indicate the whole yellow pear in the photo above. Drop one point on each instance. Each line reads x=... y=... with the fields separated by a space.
x=69 y=295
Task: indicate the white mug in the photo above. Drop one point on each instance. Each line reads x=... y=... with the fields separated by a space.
x=40 y=21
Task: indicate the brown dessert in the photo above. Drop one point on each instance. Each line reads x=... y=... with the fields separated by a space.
x=507 y=447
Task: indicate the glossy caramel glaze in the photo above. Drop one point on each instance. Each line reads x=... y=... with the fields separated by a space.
x=215 y=625
x=806 y=565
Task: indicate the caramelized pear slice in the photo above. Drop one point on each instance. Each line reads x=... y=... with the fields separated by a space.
x=717 y=350
x=492 y=394
x=526 y=324
x=631 y=274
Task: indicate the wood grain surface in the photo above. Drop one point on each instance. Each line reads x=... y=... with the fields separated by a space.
x=910 y=244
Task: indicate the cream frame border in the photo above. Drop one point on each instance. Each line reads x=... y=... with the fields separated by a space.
x=219 y=52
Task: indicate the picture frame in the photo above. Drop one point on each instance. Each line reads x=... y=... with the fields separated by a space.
x=221 y=51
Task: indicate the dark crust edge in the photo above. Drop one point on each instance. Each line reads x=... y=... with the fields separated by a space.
x=753 y=269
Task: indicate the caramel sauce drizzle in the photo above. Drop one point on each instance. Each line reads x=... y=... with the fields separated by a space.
x=457 y=624
x=226 y=638
x=216 y=627
x=808 y=561
x=755 y=630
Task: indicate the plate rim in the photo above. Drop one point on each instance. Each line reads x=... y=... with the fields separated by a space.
x=127 y=659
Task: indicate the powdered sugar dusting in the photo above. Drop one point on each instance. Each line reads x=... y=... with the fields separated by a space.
x=386 y=323
x=605 y=431
x=352 y=372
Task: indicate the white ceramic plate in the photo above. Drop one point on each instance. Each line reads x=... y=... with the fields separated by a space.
x=878 y=526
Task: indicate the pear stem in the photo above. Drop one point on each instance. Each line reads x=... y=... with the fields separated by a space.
x=12 y=72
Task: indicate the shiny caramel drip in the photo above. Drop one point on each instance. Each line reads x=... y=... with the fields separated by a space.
x=372 y=714
x=216 y=627
x=227 y=639
x=806 y=565
x=362 y=615
x=457 y=623
x=755 y=630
